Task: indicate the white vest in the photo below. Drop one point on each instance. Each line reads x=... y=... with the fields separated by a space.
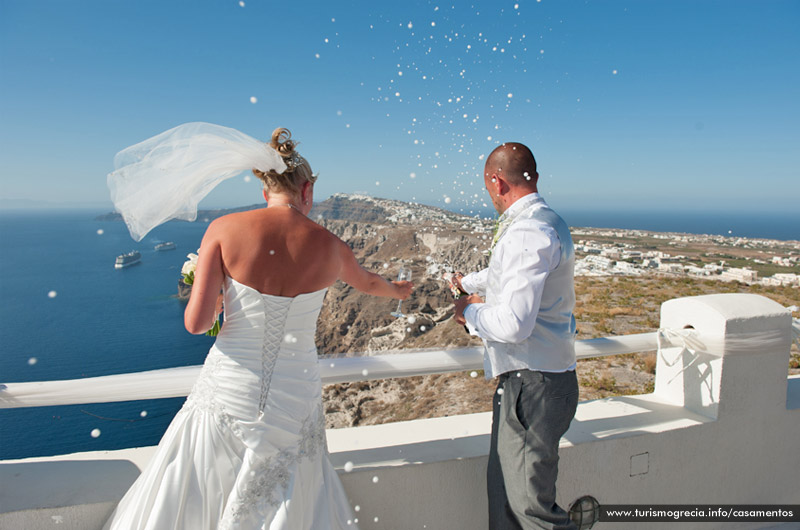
x=551 y=345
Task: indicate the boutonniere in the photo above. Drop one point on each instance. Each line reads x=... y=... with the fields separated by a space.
x=500 y=226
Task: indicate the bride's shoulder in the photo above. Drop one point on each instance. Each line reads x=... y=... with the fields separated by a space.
x=220 y=224
x=227 y=227
x=325 y=242
x=235 y=218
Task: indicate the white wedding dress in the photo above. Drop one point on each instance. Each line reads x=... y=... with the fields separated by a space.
x=248 y=448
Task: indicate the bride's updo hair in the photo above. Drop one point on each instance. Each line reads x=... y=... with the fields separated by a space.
x=297 y=170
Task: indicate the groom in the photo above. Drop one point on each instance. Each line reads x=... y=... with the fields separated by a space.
x=522 y=310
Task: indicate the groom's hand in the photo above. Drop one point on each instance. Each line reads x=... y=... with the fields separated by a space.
x=461 y=306
x=456 y=281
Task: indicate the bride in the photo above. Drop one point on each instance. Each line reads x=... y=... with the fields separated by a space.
x=248 y=450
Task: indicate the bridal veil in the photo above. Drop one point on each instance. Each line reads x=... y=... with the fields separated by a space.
x=165 y=177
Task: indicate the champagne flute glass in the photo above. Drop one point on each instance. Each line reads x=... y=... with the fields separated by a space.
x=403 y=274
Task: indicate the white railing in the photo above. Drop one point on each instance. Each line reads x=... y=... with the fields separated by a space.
x=177 y=382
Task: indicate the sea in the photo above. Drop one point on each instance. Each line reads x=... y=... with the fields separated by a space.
x=67 y=313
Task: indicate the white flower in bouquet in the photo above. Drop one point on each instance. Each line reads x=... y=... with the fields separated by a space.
x=188 y=268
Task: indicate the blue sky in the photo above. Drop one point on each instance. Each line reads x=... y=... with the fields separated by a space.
x=664 y=104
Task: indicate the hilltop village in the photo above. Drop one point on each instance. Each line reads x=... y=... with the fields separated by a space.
x=608 y=252
x=605 y=252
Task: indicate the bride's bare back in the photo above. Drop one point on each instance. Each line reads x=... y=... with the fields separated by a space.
x=278 y=251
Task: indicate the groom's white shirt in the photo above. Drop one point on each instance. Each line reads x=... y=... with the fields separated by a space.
x=526 y=321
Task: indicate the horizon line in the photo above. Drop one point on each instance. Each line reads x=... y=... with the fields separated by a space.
x=40 y=205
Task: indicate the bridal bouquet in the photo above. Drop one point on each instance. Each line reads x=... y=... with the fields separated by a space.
x=187 y=271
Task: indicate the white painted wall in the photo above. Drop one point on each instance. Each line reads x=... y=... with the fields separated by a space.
x=723 y=426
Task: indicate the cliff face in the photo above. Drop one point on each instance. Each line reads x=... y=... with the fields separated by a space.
x=342 y=208
x=352 y=322
x=202 y=215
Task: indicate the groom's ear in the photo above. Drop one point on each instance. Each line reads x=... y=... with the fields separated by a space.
x=499 y=184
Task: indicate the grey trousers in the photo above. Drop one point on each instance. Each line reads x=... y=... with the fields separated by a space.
x=530 y=414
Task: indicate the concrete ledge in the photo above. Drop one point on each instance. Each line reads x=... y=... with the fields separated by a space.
x=626 y=416
x=412 y=462
x=80 y=517
x=430 y=473
x=411 y=442
x=64 y=483
x=76 y=493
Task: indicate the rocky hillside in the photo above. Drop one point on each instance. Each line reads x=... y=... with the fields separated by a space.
x=386 y=235
x=427 y=240
x=352 y=322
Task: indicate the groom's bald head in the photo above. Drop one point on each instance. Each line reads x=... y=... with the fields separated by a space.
x=514 y=162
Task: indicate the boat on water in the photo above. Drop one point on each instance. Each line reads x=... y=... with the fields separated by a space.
x=169 y=245
x=126 y=260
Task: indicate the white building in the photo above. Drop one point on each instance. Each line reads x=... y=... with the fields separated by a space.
x=784 y=262
x=587 y=249
x=743 y=275
x=650 y=264
x=670 y=267
x=697 y=271
x=598 y=262
x=626 y=268
x=782 y=278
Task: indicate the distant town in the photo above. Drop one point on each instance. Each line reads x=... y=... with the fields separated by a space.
x=606 y=252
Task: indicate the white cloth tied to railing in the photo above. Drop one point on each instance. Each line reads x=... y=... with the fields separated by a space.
x=689 y=344
x=693 y=344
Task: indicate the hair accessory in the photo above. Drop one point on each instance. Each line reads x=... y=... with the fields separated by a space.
x=293 y=161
